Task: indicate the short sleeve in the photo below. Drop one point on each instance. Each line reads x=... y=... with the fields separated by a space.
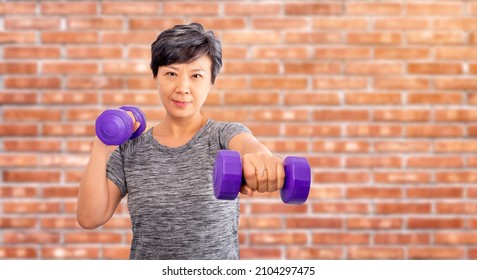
x=228 y=131
x=115 y=170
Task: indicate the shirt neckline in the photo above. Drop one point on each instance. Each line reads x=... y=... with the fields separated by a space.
x=184 y=147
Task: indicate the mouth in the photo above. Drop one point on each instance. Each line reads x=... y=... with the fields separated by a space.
x=180 y=103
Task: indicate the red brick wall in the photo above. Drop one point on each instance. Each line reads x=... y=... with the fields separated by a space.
x=379 y=95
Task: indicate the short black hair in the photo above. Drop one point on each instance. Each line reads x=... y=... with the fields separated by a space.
x=184 y=44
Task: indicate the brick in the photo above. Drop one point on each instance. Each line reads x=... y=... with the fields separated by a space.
x=55 y=8
x=325 y=192
x=59 y=222
x=401 y=177
x=17 y=37
x=445 y=253
x=372 y=68
x=402 y=238
x=373 y=162
x=128 y=38
x=459 y=115
x=273 y=208
x=434 y=223
x=59 y=191
x=69 y=253
x=312 y=68
x=112 y=98
x=455 y=23
x=17 y=192
x=32 y=23
x=18 y=68
x=18 y=8
x=279 y=83
x=278 y=238
x=341 y=115
x=314 y=253
x=434 y=68
x=279 y=23
x=98 y=82
x=286 y=146
x=341 y=177
x=455 y=53
x=62 y=160
x=17 y=223
x=153 y=23
x=229 y=52
x=251 y=37
x=281 y=53
x=235 y=83
x=30 y=237
x=246 y=9
x=14 y=52
x=434 y=8
x=18 y=160
x=298 y=37
x=401 y=83
x=434 y=162
x=251 y=98
x=456 y=83
x=126 y=68
x=52 y=129
x=402 y=147
x=401 y=23
x=293 y=98
x=32 y=114
x=205 y=8
x=18 y=129
x=32 y=82
x=12 y=97
x=434 y=98
x=312 y=130
x=116 y=253
x=374 y=130
x=463 y=146
x=376 y=253
x=456 y=208
x=95 y=23
x=374 y=223
x=341 y=146
x=340 y=208
x=338 y=238
x=313 y=8
x=398 y=115
x=31 y=207
x=93 y=237
x=374 y=8
x=402 y=53
x=434 y=192
x=69 y=38
x=65 y=97
x=435 y=37
x=264 y=129
x=402 y=208
x=434 y=131
x=18 y=253
x=307 y=222
x=259 y=222
x=43 y=145
x=127 y=8
x=373 y=38
x=31 y=176
x=342 y=53
x=260 y=253
x=94 y=52
x=373 y=192
x=251 y=68
x=340 y=83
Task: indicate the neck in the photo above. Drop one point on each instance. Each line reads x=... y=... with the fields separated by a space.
x=172 y=127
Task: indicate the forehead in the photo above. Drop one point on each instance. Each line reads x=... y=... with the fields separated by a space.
x=203 y=63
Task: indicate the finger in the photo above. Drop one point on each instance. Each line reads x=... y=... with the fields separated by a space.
x=249 y=173
x=280 y=175
x=246 y=190
x=136 y=124
x=272 y=175
x=261 y=173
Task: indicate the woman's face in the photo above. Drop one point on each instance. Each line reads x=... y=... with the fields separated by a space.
x=183 y=88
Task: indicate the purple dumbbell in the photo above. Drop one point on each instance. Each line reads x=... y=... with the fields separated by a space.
x=115 y=126
x=228 y=177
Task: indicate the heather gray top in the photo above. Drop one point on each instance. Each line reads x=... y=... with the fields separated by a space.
x=174 y=212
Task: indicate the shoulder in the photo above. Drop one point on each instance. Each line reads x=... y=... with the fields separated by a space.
x=131 y=146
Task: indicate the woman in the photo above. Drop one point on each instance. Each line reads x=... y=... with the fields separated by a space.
x=167 y=171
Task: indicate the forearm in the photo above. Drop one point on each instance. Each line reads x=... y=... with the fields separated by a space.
x=253 y=146
x=93 y=195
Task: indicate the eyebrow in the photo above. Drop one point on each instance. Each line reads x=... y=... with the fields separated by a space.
x=193 y=70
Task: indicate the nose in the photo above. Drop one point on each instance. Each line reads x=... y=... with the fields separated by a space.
x=183 y=85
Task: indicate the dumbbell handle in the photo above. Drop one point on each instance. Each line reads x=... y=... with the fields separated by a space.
x=228 y=168
x=115 y=126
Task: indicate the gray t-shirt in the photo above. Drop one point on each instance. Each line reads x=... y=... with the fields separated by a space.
x=171 y=201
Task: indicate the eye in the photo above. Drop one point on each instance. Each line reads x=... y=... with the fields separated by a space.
x=172 y=74
x=197 y=76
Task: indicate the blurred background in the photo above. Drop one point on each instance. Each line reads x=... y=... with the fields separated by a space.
x=380 y=96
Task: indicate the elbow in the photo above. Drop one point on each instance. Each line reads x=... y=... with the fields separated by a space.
x=87 y=223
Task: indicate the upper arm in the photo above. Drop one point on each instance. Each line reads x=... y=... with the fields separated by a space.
x=114 y=197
